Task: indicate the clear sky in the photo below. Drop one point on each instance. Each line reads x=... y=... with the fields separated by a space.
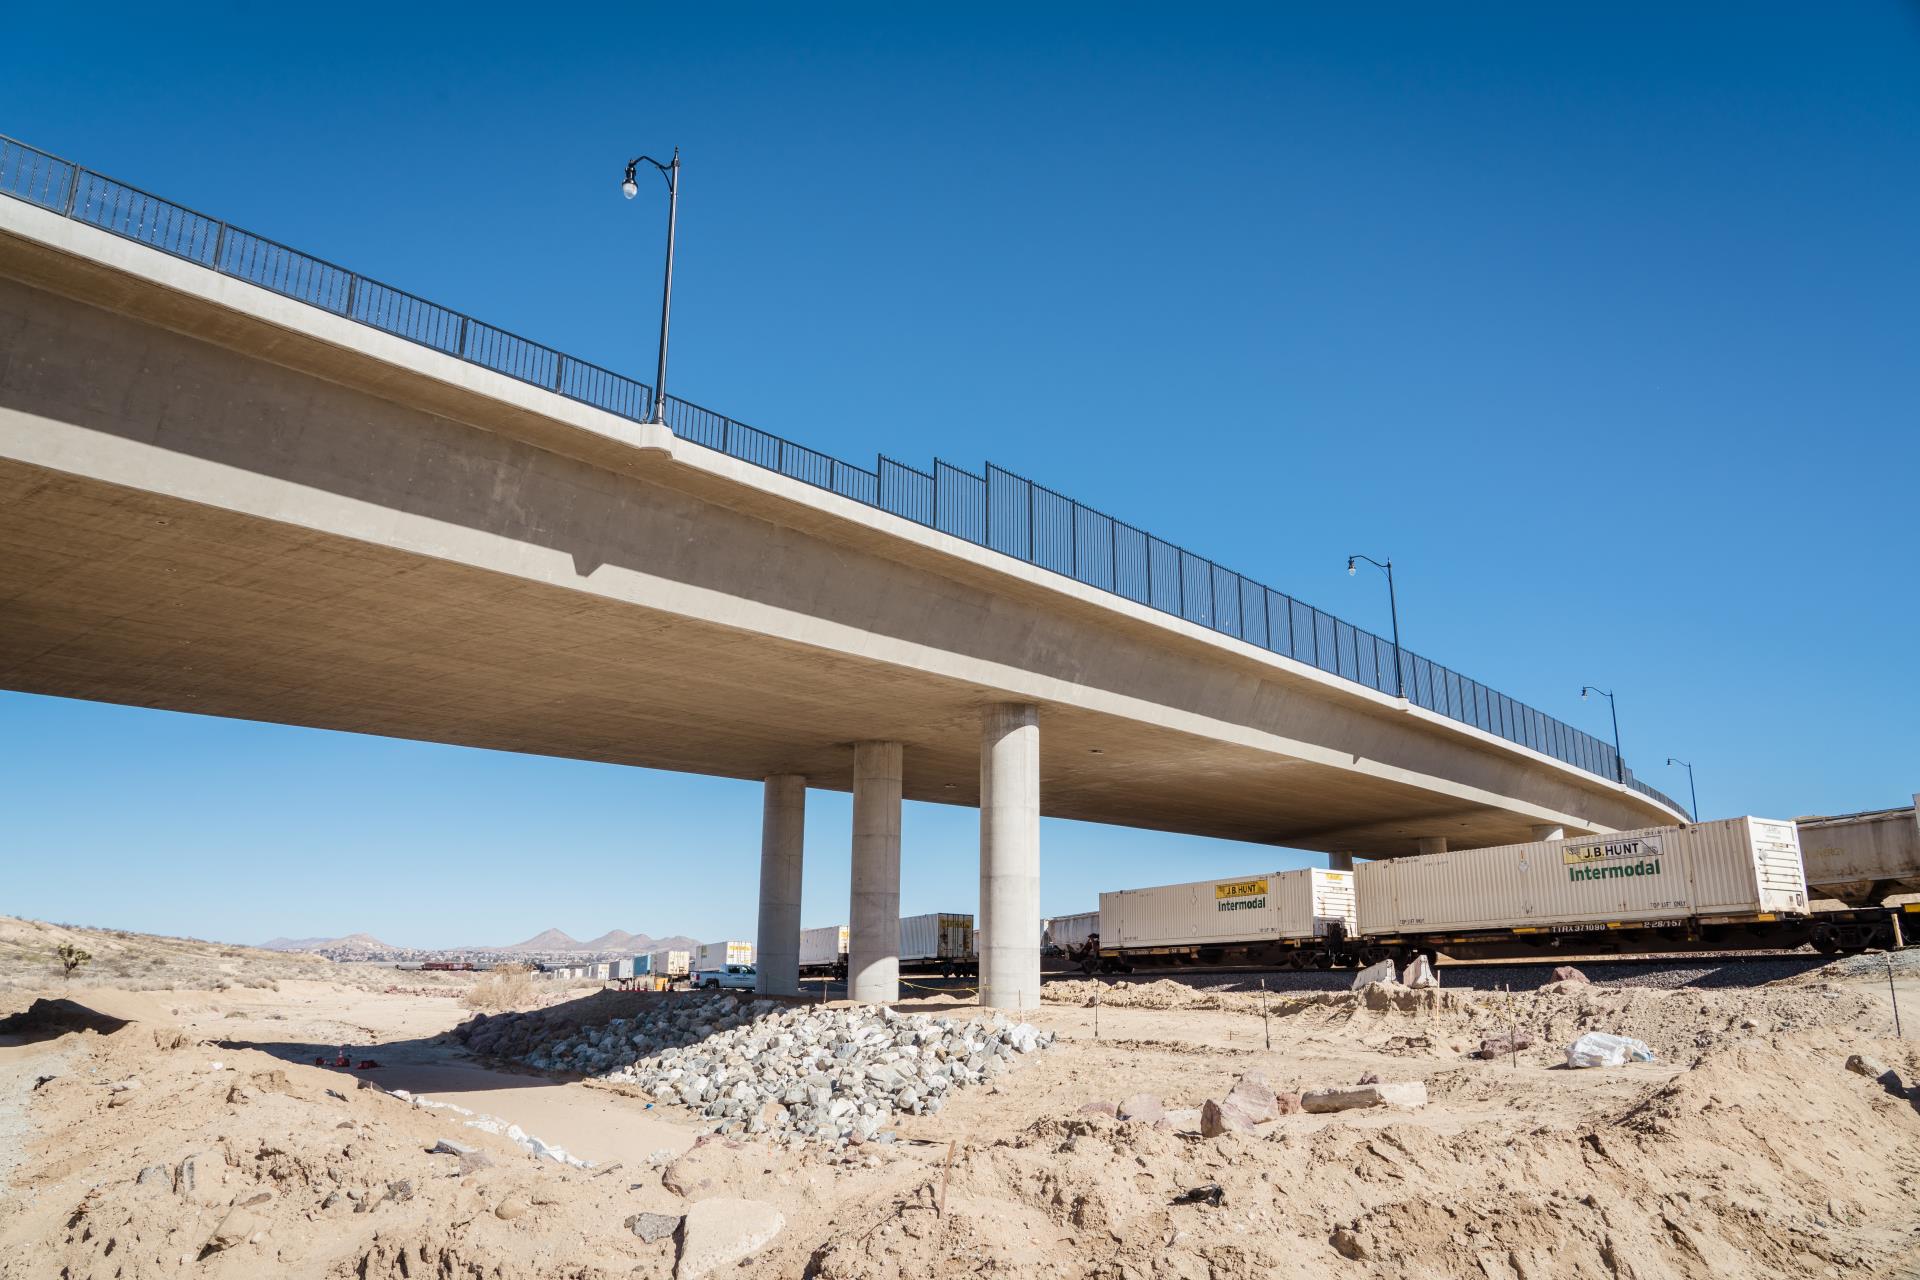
x=1599 y=319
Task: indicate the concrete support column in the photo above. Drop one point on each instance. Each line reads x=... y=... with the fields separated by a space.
x=873 y=936
x=1433 y=844
x=1547 y=831
x=776 y=950
x=1339 y=862
x=1010 y=857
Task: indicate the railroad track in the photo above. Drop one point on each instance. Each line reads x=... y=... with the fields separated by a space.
x=1698 y=969
x=1693 y=969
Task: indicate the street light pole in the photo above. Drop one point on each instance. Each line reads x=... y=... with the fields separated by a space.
x=630 y=188
x=1619 y=761
x=1393 y=610
x=1692 y=794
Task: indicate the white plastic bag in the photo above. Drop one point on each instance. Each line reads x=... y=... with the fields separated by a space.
x=1382 y=972
x=1598 y=1049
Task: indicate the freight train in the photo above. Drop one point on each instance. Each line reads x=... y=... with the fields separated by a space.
x=1736 y=884
x=1862 y=858
x=939 y=942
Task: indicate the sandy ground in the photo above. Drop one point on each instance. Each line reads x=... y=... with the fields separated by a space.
x=1746 y=1149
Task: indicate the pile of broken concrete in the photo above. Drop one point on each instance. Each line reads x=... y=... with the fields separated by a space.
x=799 y=1074
x=1253 y=1102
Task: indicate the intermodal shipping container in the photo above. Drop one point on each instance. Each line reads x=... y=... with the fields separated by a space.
x=1736 y=867
x=823 y=948
x=672 y=964
x=718 y=955
x=1861 y=858
x=642 y=966
x=621 y=969
x=1068 y=932
x=1259 y=908
x=938 y=935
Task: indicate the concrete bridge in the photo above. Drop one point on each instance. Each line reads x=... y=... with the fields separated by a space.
x=217 y=498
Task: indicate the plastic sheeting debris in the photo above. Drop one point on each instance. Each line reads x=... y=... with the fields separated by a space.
x=1598 y=1049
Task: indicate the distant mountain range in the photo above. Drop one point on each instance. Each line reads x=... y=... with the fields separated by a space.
x=614 y=940
x=362 y=940
x=548 y=941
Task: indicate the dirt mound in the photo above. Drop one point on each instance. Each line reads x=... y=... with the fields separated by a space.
x=190 y=1160
x=1168 y=994
x=1447 y=1021
x=45 y=1018
x=1724 y=1169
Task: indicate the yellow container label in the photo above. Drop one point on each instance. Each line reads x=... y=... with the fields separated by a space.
x=1241 y=889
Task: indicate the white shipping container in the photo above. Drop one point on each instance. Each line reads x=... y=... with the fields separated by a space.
x=822 y=947
x=718 y=955
x=601 y=970
x=1861 y=858
x=1733 y=867
x=672 y=964
x=1258 y=908
x=622 y=968
x=1068 y=932
x=938 y=935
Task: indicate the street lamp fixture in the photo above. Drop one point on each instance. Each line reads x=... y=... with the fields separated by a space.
x=1393 y=607
x=630 y=187
x=1692 y=794
x=1619 y=761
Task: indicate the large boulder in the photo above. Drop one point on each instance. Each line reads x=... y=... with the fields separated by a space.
x=1217 y=1118
x=1253 y=1097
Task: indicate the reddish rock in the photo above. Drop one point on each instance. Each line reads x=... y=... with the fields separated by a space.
x=1503 y=1046
x=1567 y=973
x=1254 y=1096
x=1100 y=1109
x=1143 y=1107
x=1217 y=1118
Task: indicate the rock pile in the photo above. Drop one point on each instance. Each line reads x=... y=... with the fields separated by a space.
x=800 y=1074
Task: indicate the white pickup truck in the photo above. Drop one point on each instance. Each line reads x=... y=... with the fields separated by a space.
x=738 y=976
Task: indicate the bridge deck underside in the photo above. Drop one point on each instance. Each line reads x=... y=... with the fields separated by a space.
x=127 y=596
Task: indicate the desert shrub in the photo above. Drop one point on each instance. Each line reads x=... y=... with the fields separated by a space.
x=71 y=958
x=507 y=986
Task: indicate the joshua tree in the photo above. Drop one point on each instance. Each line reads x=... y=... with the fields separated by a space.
x=71 y=958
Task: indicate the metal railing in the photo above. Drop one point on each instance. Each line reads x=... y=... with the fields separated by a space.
x=995 y=509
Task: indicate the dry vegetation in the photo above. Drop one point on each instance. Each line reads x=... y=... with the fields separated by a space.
x=507 y=986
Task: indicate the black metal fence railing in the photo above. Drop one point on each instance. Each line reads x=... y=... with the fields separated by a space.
x=995 y=509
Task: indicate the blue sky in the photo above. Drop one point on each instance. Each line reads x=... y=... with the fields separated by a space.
x=1599 y=320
